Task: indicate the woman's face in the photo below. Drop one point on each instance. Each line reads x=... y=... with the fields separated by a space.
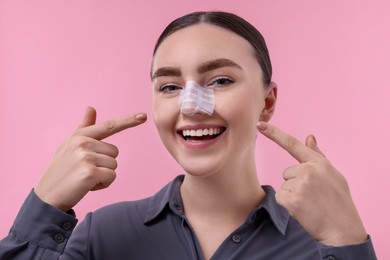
x=214 y=57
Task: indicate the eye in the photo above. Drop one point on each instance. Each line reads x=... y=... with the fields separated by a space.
x=221 y=82
x=169 y=88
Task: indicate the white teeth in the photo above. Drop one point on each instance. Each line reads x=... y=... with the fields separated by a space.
x=202 y=132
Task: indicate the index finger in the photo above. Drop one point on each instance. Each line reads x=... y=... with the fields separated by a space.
x=293 y=146
x=110 y=127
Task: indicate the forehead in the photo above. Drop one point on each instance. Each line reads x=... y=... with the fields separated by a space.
x=201 y=42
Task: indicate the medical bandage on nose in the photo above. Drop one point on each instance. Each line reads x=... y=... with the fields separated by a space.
x=196 y=99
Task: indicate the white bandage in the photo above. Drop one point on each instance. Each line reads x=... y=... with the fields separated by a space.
x=196 y=99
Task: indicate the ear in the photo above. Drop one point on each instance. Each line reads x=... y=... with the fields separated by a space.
x=270 y=102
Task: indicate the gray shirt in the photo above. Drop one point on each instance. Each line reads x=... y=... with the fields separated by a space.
x=156 y=228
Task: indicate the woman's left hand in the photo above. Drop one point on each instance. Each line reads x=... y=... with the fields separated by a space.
x=315 y=193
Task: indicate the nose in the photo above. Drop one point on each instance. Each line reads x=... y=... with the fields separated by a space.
x=196 y=99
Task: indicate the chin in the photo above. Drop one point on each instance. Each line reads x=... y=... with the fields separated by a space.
x=200 y=169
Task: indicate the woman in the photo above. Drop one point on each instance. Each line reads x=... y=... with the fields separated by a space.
x=212 y=94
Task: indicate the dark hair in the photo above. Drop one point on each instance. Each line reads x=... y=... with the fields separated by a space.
x=230 y=22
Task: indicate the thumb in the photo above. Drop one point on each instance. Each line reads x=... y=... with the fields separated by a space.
x=89 y=117
x=311 y=142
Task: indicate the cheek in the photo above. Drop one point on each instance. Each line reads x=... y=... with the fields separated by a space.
x=240 y=104
x=164 y=113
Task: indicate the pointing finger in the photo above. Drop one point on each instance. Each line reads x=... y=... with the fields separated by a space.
x=111 y=127
x=289 y=143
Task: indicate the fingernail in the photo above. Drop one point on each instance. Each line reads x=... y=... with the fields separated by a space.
x=262 y=126
x=141 y=117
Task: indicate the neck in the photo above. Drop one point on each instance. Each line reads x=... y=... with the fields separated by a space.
x=233 y=192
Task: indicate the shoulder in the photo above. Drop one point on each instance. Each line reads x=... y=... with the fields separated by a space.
x=120 y=212
x=137 y=211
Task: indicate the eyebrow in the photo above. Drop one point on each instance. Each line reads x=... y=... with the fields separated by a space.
x=202 y=68
x=216 y=64
x=166 y=71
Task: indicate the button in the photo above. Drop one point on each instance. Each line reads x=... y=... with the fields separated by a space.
x=59 y=238
x=236 y=238
x=254 y=217
x=330 y=257
x=67 y=225
x=176 y=206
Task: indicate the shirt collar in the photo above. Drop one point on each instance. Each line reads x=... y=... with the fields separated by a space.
x=277 y=213
x=170 y=195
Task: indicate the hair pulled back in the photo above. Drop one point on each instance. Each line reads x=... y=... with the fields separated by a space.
x=232 y=23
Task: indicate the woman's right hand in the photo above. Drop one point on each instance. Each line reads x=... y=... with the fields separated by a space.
x=83 y=162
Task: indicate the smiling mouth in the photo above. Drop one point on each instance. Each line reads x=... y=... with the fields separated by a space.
x=201 y=134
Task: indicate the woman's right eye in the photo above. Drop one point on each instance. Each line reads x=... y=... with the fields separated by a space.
x=169 y=88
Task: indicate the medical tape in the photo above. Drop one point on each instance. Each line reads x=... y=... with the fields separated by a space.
x=196 y=99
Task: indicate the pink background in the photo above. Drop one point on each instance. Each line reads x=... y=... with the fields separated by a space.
x=331 y=61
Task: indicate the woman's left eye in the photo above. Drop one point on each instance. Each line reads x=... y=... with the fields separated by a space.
x=220 y=82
